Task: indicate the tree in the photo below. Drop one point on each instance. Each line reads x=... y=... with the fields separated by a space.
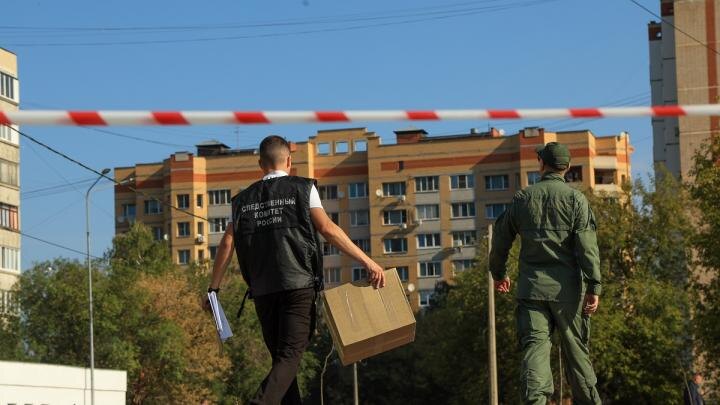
x=705 y=191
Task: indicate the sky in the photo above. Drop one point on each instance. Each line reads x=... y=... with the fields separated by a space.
x=299 y=55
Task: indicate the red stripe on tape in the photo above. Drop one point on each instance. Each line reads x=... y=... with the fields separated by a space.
x=503 y=114
x=251 y=117
x=4 y=119
x=422 y=115
x=668 y=111
x=169 y=118
x=585 y=112
x=331 y=116
x=86 y=118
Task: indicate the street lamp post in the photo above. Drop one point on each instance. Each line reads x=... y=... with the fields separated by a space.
x=90 y=291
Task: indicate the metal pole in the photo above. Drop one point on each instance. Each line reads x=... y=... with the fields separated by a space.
x=492 y=354
x=356 y=391
x=90 y=291
x=561 y=373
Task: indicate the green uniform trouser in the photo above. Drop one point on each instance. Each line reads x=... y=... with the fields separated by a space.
x=536 y=322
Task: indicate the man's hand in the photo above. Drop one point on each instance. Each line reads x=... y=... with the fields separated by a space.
x=205 y=303
x=503 y=286
x=591 y=304
x=376 y=275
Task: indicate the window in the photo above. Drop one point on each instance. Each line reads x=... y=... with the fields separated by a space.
x=403 y=273
x=574 y=174
x=497 y=182
x=360 y=145
x=7 y=134
x=430 y=269
x=425 y=296
x=183 y=201
x=199 y=200
x=8 y=86
x=153 y=207
x=427 y=183
x=332 y=275
x=335 y=217
x=428 y=240
x=359 y=273
x=10 y=258
x=359 y=218
x=463 y=238
x=329 y=249
x=462 y=181
x=394 y=217
x=219 y=197
x=183 y=229
x=493 y=211
x=201 y=228
x=358 y=190
x=213 y=252
x=463 y=210
x=157 y=232
x=218 y=224
x=395 y=245
x=328 y=192
x=8 y=172
x=341 y=147
x=533 y=177
x=605 y=176
x=462 y=265
x=394 y=189
x=428 y=211
x=183 y=256
x=323 y=148
x=128 y=211
x=363 y=244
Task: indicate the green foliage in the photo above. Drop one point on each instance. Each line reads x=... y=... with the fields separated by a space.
x=705 y=190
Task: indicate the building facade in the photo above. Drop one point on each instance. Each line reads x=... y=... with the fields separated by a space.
x=683 y=71
x=9 y=182
x=419 y=204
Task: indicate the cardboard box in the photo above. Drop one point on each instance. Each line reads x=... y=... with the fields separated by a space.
x=365 y=321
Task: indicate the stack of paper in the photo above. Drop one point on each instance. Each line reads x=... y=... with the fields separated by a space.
x=221 y=322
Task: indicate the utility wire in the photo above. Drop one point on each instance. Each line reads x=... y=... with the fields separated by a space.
x=47 y=242
x=675 y=27
x=446 y=15
x=86 y=167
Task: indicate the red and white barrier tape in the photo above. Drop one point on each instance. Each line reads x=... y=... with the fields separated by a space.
x=144 y=118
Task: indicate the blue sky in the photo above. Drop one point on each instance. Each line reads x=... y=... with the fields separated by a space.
x=312 y=54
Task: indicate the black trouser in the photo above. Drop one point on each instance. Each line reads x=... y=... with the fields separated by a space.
x=286 y=318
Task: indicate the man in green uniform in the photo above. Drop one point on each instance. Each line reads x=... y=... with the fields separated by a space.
x=559 y=277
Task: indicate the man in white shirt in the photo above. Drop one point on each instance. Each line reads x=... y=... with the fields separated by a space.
x=274 y=232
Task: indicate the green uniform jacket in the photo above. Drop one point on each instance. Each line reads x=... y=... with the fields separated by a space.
x=559 y=256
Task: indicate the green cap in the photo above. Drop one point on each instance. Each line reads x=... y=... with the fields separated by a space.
x=554 y=154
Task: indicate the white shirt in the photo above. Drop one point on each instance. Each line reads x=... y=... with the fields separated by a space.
x=314 y=195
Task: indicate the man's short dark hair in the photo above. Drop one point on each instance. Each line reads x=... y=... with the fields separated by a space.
x=273 y=150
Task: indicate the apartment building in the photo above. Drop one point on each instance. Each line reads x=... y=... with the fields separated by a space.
x=9 y=182
x=418 y=204
x=684 y=70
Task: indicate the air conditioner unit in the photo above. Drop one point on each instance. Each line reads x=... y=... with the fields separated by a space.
x=418 y=222
x=402 y=198
x=200 y=238
x=457 y=243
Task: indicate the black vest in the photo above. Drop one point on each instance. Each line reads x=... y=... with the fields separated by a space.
x=275 y=240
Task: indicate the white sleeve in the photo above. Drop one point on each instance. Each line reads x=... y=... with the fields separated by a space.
x=315 y=198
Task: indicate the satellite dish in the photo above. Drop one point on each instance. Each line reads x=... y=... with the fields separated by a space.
x=121 y=218
x=379 y=192
x=411 y=287
x=501 y=132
